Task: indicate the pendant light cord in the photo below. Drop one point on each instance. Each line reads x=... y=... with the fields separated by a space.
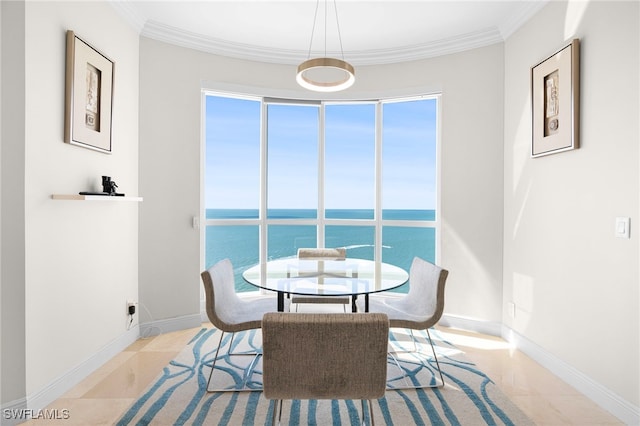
x=335 y=8
x=325 y=28
x=313 y=28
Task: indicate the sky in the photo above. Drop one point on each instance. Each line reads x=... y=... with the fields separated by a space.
x=232 y=166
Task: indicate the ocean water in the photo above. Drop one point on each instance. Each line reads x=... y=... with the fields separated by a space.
x=240 y=243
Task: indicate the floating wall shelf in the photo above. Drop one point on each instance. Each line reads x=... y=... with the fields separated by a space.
x=93 y=197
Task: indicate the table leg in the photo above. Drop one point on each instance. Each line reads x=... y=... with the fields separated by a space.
x=354 y=307
x=280 y=301
x=366 y=302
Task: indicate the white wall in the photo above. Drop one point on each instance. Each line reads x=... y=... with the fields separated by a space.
x=170 y=145
x=80 y=258
x=12 y=264
x=575 y=285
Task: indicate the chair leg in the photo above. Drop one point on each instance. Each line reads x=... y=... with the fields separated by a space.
x=213 y=364
x=415 y=343
x=415 y=346
x=435 y=356
x=231 y=341
x=371 y=413
x=392 y=354
x=275 y=410
x=364 y=403
x=417 y=351
x=247 y=373
x=240 y=353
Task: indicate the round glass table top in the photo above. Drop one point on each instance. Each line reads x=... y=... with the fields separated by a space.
x=325 y=277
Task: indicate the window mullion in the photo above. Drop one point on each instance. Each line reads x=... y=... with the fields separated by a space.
x=377 y=215
x=262 y=213
x=438 y=224
x=321 y=169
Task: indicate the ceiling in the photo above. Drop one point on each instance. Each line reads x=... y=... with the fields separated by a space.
x=371 y=32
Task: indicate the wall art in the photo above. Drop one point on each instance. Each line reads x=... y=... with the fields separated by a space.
x=89 y=96
x=555 y=95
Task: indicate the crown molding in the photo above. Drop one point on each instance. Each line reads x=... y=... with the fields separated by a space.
x=433 y=49
x=175 y=36
x=178 y=37
x=130 y=14
x=527 y=10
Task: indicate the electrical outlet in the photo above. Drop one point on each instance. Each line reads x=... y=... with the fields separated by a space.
x=132 y=314
x=132 y=306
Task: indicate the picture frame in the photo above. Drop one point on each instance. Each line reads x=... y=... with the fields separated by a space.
x=88 y=96
x=555 y=102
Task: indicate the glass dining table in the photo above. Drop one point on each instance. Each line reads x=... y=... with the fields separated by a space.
x=310 y=277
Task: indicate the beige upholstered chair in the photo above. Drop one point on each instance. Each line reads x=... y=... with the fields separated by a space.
x=230 y=313
x=321 y=254
x=421 y=308
x=324 y=356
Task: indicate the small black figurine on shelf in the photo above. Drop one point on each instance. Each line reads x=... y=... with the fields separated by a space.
x=106 y=183
x=109 y=186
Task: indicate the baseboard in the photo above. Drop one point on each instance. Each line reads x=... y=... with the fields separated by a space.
x=22 y=410
x=162 y=326
x=491 y=328
x=614 y=404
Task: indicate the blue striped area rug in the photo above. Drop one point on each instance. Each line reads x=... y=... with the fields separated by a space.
x=178 y=396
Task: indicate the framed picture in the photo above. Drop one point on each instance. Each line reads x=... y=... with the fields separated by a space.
x=555 y=97
x=88 y=97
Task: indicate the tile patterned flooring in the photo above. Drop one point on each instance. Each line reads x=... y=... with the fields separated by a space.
x=101 y=398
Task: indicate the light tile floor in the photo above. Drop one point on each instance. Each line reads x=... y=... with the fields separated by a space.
x=103 y=397
x=545 y=398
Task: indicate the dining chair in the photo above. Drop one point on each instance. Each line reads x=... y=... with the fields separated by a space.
x=321 y=254
x=230 y=313
x=420 y=309
x=324 y=356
